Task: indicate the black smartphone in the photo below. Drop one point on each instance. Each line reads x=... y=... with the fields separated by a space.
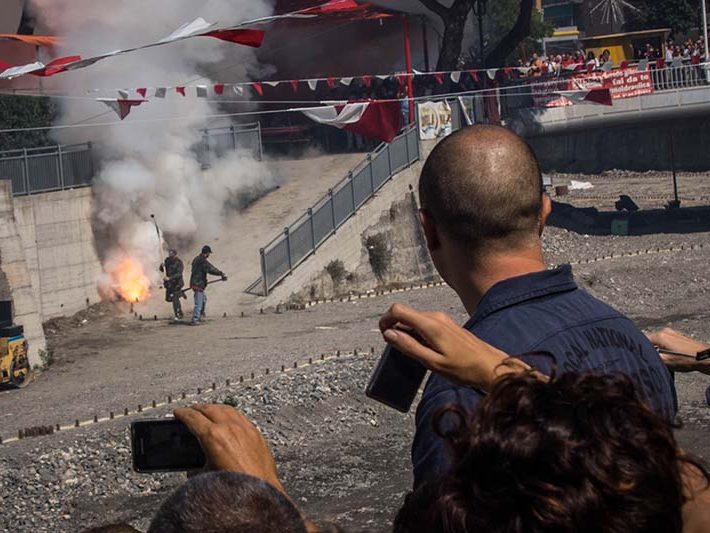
x=164 y=446
x=396 y=380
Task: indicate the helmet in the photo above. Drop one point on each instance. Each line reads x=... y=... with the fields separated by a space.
x=206 y=249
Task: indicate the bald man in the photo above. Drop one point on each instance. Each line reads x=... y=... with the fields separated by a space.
x=483 y=210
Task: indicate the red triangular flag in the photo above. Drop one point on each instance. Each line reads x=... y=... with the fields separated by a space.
x=367 y=80
x=330 y=81
x=252 y=38
x=375 y=120
x=507 y=71
x=294 y=84
x=439 y=77
x=474 y=75
x=55 y=66
x=219 y=88
x=181 y=90
x=120 y=106
x=142 y=91
x=402 y=80
x=258 y=88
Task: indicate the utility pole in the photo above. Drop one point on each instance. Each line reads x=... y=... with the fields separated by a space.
x=479 y=9
x=705 y=37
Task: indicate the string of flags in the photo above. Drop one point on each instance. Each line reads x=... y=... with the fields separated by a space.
x=197 y=28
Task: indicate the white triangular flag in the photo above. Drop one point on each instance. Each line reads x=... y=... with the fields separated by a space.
x=123 y=94
x=346 y=81
x=201 y=91
x=492 y=73
x=456 y=76
x=160 y=92
x=272 y=83
x=238 y=90
x=383 y=76
x=312 y=84
x=416 y=72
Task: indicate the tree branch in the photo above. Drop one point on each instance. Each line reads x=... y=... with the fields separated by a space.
x=436 y=7
x=507 y=45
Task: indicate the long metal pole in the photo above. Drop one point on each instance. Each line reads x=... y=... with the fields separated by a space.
x=408 y=61
x=705 y=30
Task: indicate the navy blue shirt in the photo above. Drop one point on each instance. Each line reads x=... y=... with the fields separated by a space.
x=545 y=312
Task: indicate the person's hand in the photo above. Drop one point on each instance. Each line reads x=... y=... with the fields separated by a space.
x=674 y=341
x=230 y=441
x=444 y=347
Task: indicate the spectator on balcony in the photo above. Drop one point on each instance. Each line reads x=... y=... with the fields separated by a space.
x=592 y=61
x=606 y=56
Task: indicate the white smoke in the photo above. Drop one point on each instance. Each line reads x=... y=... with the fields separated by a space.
x=149 y=167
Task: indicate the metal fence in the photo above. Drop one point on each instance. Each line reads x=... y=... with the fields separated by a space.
x=55 y=168
x=302 y=238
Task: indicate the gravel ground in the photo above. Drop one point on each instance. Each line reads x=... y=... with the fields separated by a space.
x=344 y=458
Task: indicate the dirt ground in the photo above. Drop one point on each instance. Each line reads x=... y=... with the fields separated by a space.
x=344 y=458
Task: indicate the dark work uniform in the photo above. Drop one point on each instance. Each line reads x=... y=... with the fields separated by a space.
x=173 y=287
x=545 y=312
x=198 y=281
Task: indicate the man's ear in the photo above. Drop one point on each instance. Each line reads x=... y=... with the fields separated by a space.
x=545 y=211
x=430 y=231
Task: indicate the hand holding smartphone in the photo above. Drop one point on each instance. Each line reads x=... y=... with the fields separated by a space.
x=164 y=445
x=396 y=380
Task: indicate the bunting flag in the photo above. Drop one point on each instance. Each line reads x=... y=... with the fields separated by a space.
x=492 y=73
x=219 y=89
x=121 y=107
x=456 y=76
x=180 y=90
x=197 y=28
x=313 y=84
x=346 y=81
x=439 y=77
x=123 y=94
x=142 y=91
x=330 y=81
x=367 y=80
x=272 y=83
x=474 y=75
x=591 y=96
x=294 y=85
x=258 y=88
x=201 y=91
x=375 y=120
x=160 y=92
x=238 y=90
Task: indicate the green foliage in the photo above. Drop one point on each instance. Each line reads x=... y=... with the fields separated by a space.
x=503 y=14
x=336 y=271
x=25 y=112
x=679 y=15
x=379 y=254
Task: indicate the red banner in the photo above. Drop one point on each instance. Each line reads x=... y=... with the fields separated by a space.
x=626 y=83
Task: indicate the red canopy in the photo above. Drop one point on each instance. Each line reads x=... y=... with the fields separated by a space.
x=350 y=9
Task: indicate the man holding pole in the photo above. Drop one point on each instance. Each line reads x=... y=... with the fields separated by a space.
x=198 y=282
x=173 y=281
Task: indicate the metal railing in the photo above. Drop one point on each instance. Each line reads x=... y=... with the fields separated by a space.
x=302 y=238
x=55 y=168
x=675 y=75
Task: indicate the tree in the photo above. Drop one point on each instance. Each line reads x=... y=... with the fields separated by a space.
x=454 y=20
x=679 y=15
x=25 y=112
x=514 y=18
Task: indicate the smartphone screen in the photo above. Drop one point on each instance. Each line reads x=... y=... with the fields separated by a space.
x=163 y=446
x=396 y=380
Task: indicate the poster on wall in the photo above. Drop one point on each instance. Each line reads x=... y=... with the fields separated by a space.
x=434 y=120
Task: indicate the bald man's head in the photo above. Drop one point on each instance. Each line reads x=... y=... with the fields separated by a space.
x=482 y=186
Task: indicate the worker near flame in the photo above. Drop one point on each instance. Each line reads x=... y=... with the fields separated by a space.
x=198 y=282
x=173 y=281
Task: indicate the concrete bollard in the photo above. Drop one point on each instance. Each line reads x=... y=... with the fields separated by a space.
x=125 y=411
x=110 y=415
x=76 y=423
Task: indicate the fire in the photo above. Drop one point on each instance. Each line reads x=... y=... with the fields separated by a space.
x=130 y=281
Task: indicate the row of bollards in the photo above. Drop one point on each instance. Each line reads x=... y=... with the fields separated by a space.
x=38 y=431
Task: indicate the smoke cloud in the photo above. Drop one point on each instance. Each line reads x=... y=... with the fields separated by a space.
x=149 y=167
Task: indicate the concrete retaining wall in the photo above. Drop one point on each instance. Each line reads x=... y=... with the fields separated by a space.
x=639 y=147
x=15 y=278
x=56 y=233
x=347 y=244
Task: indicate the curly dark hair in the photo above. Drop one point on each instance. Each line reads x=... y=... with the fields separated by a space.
x=580 y=453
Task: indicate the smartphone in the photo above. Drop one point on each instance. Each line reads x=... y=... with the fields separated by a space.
x=396 y=380
x=164 y=446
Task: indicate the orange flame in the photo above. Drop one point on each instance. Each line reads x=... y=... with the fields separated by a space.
x=130 y=280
